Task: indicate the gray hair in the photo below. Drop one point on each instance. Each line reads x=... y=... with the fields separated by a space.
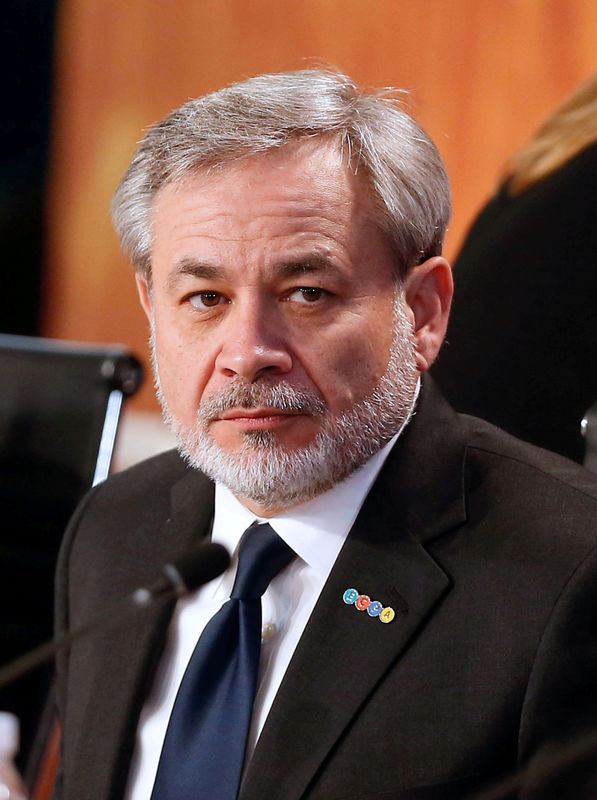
x=408 y=181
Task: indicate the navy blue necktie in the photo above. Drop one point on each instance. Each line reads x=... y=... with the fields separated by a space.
x=204 y=749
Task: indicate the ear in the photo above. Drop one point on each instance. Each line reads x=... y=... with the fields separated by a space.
x=428 y=291
x=144 y=293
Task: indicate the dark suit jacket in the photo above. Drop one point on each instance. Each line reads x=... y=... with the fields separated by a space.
x=484 y=546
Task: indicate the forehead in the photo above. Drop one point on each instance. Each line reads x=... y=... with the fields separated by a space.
x=304 y=187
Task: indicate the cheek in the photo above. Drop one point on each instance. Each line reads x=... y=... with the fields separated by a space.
x=183 y=373
x=348 y=367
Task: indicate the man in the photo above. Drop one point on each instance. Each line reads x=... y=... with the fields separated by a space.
x=435 y=627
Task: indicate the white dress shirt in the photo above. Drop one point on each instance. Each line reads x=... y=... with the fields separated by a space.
x=316 y=531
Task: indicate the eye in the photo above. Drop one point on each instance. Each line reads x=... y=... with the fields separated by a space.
x=206 y=299
x=307 y=294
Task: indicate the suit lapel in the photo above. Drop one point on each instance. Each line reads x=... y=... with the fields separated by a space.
x=121 y=664
x=116 y=684
x=344 y=653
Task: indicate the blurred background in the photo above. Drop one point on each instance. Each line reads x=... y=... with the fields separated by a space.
x=85 y=77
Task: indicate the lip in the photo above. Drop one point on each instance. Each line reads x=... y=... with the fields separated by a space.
x=258 y=418
x=256 y=413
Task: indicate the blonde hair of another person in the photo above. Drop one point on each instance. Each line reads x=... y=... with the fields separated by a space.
x=571 y=128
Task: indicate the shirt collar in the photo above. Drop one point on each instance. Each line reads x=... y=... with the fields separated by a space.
x=316 y=529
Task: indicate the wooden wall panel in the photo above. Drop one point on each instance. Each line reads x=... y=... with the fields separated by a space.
x=483 y=74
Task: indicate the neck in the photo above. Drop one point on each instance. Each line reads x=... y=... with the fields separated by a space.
x=265 y=511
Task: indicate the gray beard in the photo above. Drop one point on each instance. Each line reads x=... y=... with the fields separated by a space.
x=260 y=470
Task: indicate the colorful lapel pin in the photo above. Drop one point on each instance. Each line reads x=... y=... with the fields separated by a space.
x=373 y=607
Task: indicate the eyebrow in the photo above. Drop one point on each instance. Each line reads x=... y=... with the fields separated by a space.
x=194 y=269
x=303 y=265
x=306 y=264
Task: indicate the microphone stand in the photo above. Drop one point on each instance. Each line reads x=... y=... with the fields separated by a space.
x=186 y=575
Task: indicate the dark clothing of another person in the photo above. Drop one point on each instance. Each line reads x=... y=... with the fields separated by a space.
x=521 y=348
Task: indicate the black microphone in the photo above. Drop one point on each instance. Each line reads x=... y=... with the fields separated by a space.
x=185 y=575
x=178 y=579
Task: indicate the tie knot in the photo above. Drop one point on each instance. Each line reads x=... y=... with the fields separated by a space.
x=261 y=555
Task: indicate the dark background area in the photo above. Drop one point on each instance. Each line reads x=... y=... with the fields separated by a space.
x=26 y=41
x=26 y=45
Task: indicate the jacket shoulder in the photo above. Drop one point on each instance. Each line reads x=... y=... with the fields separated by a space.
x=126 y=509
x=151 y=475
x=536 y=490
x=493 y=442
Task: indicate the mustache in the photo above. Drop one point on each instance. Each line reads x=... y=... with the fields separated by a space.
x=281 y=396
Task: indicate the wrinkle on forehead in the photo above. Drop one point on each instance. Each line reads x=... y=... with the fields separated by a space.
x=290 y=204
x=311 y=155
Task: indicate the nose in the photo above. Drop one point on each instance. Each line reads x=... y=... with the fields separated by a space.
x=254 y=345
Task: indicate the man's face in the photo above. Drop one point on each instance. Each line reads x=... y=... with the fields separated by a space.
x=273 y=311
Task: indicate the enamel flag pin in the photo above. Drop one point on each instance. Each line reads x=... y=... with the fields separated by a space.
x=373 y=607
